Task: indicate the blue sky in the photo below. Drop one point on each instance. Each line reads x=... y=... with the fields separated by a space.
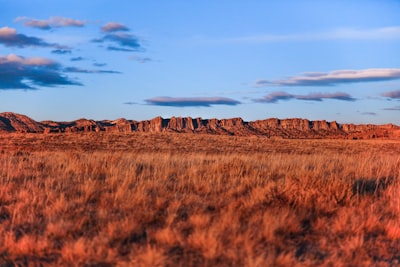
x=332 y=60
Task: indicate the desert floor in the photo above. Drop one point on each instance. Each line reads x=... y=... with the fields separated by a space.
x=96 y=199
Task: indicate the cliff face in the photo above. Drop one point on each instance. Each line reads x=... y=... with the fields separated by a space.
x=275 y=128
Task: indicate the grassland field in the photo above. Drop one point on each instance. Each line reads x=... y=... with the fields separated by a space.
x=97 y=199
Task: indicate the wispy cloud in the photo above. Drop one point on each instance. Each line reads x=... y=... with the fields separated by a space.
x=141 y=59
x=277 y=96
x=77 y=59
x=392 y=32
x=9 y=37
x=79 y=70
x=121 y=49
x=17 y=72
x=334 y=78
x=396 y=108
x=274 y=97
x=99 y=64
x=367 y=113
x=114 y=27
x=392 y=94
x=52 y=22
x=191 y=101
x=382 y=33
x=61 y=51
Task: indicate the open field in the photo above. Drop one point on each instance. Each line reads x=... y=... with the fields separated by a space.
x=197 y=200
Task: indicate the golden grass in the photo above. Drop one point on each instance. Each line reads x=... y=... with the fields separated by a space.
x=197 y=200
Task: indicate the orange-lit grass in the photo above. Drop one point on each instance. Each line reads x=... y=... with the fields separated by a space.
x=273 y=202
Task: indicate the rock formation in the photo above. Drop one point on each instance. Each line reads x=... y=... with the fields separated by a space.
x=11 y=122
x=273 y=127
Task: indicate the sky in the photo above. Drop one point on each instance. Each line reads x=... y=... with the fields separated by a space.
x=99 y=59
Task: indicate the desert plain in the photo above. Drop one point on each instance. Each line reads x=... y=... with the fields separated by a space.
x=182 y=199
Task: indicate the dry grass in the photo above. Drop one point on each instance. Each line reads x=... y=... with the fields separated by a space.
x=197 y=200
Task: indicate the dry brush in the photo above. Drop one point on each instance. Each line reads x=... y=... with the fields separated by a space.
x=184 y=200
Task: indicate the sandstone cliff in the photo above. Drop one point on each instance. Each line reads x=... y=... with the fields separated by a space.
x=273 y=127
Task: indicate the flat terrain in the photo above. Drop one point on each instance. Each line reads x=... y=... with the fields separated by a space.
x=140 y=199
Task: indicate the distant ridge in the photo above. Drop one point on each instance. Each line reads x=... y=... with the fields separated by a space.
x=272 y=128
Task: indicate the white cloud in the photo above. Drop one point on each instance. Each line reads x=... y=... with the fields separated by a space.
x=335 y=77
x=7 y=31
x=17 y=72
x=10 y=37
x=277 y=96
x=114 y=27
x=191 y=101
x=32 y=61
x=52 y=22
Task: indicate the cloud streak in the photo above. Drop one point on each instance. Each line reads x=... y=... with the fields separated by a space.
x=367 y=113
x=121 y=49
x=52 y=22
x=79 y=70
x=18 y=72
x=141 y=59
x=383 y=33
x=396 y=108
x=96 y=64
x=191 y=101
x=278 y=96
x=77 y=59
x=61 y=51
x=334 y=78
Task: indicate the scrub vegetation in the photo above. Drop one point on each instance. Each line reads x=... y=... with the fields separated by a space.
x=197 y=200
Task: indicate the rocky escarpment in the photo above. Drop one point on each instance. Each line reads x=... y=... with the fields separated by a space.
x=11 y=122
x=273 y=128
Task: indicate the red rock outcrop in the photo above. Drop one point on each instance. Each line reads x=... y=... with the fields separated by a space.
x=273 y=127
x=155 y=125
x=180 y=124
x=12 y=122
x=116 y=126
x=81 y=125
